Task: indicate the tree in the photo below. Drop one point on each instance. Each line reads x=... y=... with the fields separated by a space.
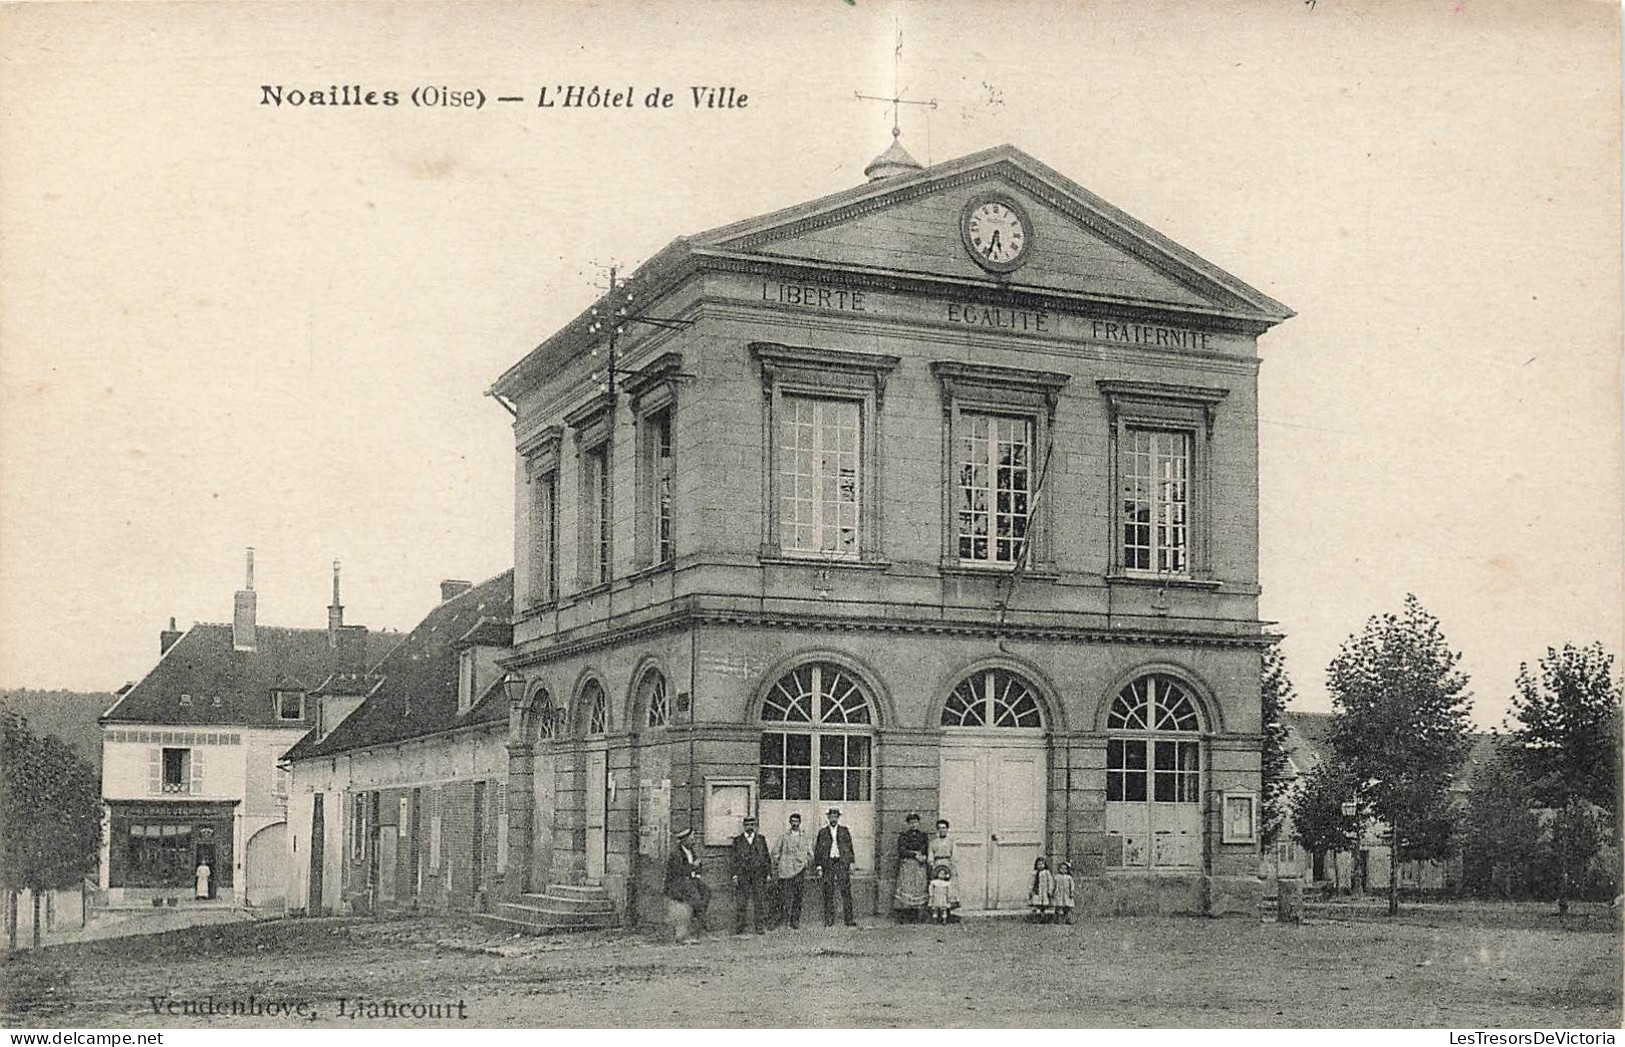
x=1568 y=747
x=1318 y=822
x=1275 y=694
x=1399 y=727
x=50 y=816
x=1502 y=834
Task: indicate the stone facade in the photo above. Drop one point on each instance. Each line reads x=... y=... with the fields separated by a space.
x=401 y=826
x=946 y=672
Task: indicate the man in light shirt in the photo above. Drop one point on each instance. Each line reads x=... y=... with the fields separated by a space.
x=791 y=855
x=832 y=856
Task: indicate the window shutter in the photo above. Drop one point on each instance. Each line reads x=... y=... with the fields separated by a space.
x=155 y=770
x=196 y=758
x=434 y=829
x=502 y=826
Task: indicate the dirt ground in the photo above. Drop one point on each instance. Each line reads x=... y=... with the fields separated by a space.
x=1487 y=968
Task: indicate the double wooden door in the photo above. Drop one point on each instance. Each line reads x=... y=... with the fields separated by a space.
x=993 y=788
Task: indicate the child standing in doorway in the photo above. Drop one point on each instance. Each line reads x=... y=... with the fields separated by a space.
x=1063 y=893
x=941 y=893
x=1042 y=895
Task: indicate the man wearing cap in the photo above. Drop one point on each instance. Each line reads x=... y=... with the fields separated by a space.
x=832 y=856
x=683 y=881
x=748 y=866
x=791 y=856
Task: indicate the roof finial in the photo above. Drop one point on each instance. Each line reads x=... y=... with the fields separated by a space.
x=895 y=160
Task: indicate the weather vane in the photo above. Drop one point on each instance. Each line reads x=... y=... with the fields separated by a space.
x=896 y=101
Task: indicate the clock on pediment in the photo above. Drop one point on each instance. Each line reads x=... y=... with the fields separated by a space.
x=997 y=232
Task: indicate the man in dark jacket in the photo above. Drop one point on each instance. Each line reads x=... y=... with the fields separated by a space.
x=749 y=865
x=683 y=881
x=832 y=856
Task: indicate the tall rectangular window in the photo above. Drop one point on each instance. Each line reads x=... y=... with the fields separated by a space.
x=1156 y=467
x=177 y=770
x=596 y=513
x=819 y=477
x=544 y=537
x=660 y=475
x=995 y=456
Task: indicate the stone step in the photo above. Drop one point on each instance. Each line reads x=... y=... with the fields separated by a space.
x=583 y=890
x=518 y=919
x=567 y=902
x=548 y=917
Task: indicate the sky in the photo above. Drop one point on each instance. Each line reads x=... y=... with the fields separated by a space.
x=225 y=323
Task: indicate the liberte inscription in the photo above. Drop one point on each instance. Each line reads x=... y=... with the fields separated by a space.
x=817 y=297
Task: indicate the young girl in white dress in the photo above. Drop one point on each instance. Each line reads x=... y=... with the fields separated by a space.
x=1063 y=893
x=1042 y=895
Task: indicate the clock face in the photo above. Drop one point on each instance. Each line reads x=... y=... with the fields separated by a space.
x=996 y=233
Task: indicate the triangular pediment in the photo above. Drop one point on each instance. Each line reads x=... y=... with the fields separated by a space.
x=910 y=226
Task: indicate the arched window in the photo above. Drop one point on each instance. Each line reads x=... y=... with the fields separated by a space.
x=541 y=716
x=596 y=703
x=652 y=698
x=1153 y=776
x=992 y=698
x=817 y=752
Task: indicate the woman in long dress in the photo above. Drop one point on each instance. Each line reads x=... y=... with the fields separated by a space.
x=941 y=852
x=912 y=879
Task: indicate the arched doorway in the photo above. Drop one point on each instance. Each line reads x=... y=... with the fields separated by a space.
x=1154 y=776
x=540 y=726
x=266 y=865
x=817 y=752
x=594 y=706
x=994 y=768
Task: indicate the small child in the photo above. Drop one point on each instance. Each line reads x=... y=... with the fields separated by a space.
x=1063 y=893
x=1042 y=895
x=941 y=896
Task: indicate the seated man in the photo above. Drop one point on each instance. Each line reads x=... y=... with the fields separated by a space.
x=683 y=883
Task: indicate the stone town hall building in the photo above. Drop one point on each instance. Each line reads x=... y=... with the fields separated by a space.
x=943 y=498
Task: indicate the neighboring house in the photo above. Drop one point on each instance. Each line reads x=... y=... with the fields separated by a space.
x=397 y=796
x=786 y=550
x=1368 y=866
x=189 y=754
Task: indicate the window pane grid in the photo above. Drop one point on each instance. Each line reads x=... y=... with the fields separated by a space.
x=665 y=540
x=818 y=474
x=655 y=699
x=1156 y=501
x=597 y=710
x=995 y=486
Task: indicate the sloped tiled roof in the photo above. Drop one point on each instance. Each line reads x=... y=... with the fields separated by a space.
x=1308 y=745
x=418 y=692
x=224 y=686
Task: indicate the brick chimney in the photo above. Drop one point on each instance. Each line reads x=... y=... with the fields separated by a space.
x=453 y=587
x=335 y=612
x=167 y=637
x=242 y=620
